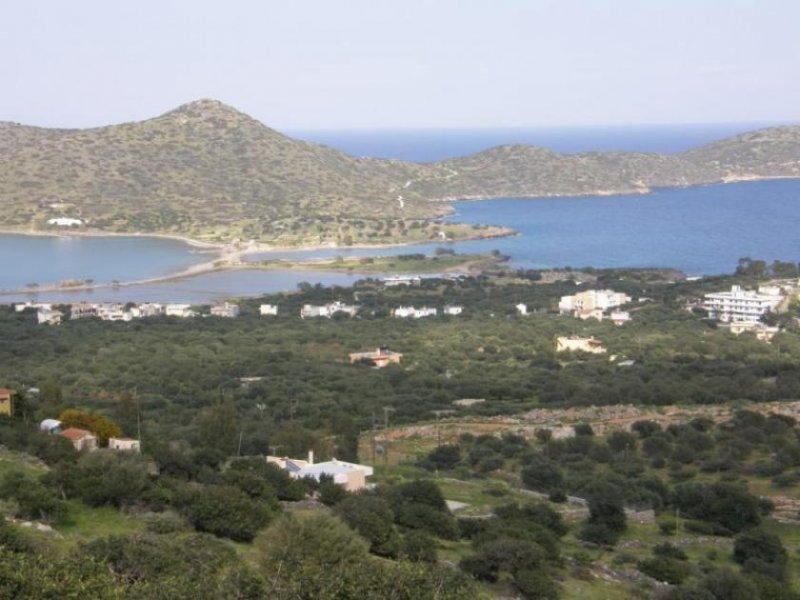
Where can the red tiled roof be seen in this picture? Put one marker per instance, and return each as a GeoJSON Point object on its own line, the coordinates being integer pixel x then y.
{"type": "Point", "coordinates": [74, 434]}
{"type": "Point", "coordinates": [7, 392]}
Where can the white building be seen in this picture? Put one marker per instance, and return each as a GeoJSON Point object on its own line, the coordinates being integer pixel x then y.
{"type": "Point", "coordinates": [406, 312]}
{"type": "Point", "coordinates": [179, 310]}
{"type": "Point", "coordinates": [328, 310]}
{"type": "Point", "coordinates": [19, 307]}
{"type": "Point", "coordinates": [49, 317]}
{"type": "Point", "coordinates": [111, 311]}
{"type": "Point", "coordinates": [270, 310]}
{"type": "Point", "coordinates": [591, 300]}
{"type": "Point", "coordinates": [453, 310]}
{"type": "Point", "coordinates": [124, 444]}
{"type": "Point", "coordinates": [226, 309]}
{"type": "Point", "coordinates": [741, 305]}
{"type": "Point", "coordinates": [522, 309]}
{"type": "Point", "coordinates": [406, 280]}
{"type": "Point", "coordinates": [620, 317]}
{"type": "Point", "coordinates": [64, 222]}
{"type": "Point", "coordinates": [147, 309]}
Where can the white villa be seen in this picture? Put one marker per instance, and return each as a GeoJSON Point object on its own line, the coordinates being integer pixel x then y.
{"type": "Point", "coordinates": [620, 317]}
{"type": "Point", "coordinates": [405, 312]}
{"type": "Point", "coordinates": [46, 316]}
{"type": "Point", "coordinates": [179, 310]}
{"type": "Point", "coordinates": [226, 309]}
{"type": "Point", "coordinates": [270, 310]}
{"type": "Point", "coordinates": [351, 476]}
{"type": "Point", "coordinates": [406, 280]}
{"type": "Point", "coordinates": [328, 310]}
{"type": "Point", "coordinates": [742, 305]}
{"type": "Point", "coordinates": [522, 309]}
{"type": "Point", "coordinates": [124, 444]}
{"type": "Point", "coordinates": [453, 310]}
{"type": "Point", "coordinates": [590, 301]}
{"type": "Point", "coordinates": [64, 222]}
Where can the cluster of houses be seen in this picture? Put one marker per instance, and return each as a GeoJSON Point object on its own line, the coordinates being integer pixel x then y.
{"type": "Point", "coordinates": [351, 476]}
{"type": "Point", "coordinates": [116, 311]}
{"type": "Point", "coordinates": [596, 304]}
{"type": "Point", "coordinates": [85, 441]}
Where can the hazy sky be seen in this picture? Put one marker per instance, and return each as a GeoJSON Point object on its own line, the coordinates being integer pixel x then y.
{"type": "Point", "coordinates": [305, 64]}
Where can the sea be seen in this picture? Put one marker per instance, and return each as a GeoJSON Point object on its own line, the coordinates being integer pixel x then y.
{"type": "Point", "coordinates": [700, 230]}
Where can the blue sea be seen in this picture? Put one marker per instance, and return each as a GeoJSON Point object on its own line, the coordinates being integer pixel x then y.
{"type": "Point", "coordinates": [700, 230]}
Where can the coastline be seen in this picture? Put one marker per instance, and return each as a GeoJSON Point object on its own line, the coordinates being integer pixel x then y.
{"type": "Point", "coordinates": [228, 258]}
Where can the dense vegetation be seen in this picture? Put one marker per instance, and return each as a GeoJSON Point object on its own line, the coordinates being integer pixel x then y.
{"type": "Point", "coordinates": [209, 397]}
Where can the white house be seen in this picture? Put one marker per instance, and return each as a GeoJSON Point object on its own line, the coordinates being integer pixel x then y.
{"type": "Point", "coordinates": [741, 305]}
{"type": "Point", "coordinates": [406, 280]}
{"type": "Point", "coordinates": [591, 300]}
{"type": "Point", "coordinates": [20, 306]}
{"type": "Point", "coordinates": [268, 310]}
{"type": "Point", "coordinates": [111, 311]}
{"type": "Point", "coordinates": [453, 310]}
{"type": "Point", "coordinates": [46, 316]}
{"type": "Point", "coordinates": [124, 444]}
{"type": "Point", "coordinates": [522, 309]}
{"type": "Point", "coordinates": [179, 310]}
{"type": "Point", "coordinates": [405, 312]}
{"type": "Point", "coordinates": [147, 309]}
{"type": "Point", "coordinates": [226, 309]}
{"type": "Point", "coordinates": [328, 310]}
{"type": "Point", "coordinates": [620, 317]}
{"type": "Point", "coordinates": [64, 222]}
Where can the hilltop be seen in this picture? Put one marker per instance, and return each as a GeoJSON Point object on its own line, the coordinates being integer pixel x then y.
{"type": "Point", "coordinates": [208, 171]}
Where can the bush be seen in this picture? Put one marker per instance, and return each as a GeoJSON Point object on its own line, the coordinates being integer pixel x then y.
{"type": "Point", "coordinates": [418, 546]}
{"type": "Point", "coordinates": [597, 533]}
{"type": "Point", "coordinates": [665, 569]}
{"type": "Point", "coordinates": [761, 552]}
{"type": "Point", "coordinates": [226, 512]}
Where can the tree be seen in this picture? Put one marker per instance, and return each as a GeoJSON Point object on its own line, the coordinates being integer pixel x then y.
{"type": "Point", "coordinates": [372, 517]}
{"type": "Point", "coordinates": [226, 512]}
{"type": "Point", "coordinates": [443, 457]}
{"type": "Point", "coordinates": [761, 552]}
{"type": "Point", "coordinates": [98, 424]}
{"type": "Point", "coordinates": [218, 428]}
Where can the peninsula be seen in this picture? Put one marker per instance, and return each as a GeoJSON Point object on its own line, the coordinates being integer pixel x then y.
{"type": "Point", "coordinates": [208, 172]}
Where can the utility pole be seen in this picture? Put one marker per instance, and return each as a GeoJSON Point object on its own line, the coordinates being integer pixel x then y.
{"type": "Point", "coordinates": [386, 411]}
{"type": "Point", "coordinates": [373, 437]}
{"type": "Point", "coordinates": [239, 450]}
{"type": "Point", "coordinates": [274, 450]}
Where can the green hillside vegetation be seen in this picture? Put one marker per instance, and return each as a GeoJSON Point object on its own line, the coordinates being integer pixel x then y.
{"type": "Point", "coordinates": [725, 490]}
{"type": "Point", "coordinates": [207, 171]}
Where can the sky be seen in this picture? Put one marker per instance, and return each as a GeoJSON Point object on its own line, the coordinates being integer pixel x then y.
{"type": "Point", "coordinates": [379, 64]}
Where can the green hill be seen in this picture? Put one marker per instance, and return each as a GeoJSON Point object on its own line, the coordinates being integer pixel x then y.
{"type": "Point", "coordinates": [211, 172]}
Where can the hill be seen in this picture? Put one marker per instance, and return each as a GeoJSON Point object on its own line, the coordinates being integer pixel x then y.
{"type": "Point", "coordinates": [208, 171]}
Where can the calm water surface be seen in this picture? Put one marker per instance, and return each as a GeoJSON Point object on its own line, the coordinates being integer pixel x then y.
{"type": "Point", "coordinates": [702, 230]}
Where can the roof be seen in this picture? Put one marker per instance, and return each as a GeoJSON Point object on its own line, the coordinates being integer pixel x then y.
{"type": "Point", "coordinates": [334, 467]}
{"type": "Point", "coordinates": [7, 392]}
{"type": "Point", "coordinates": [74, 434]}
{"type": "Point", "coordinates": [50, 424]}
